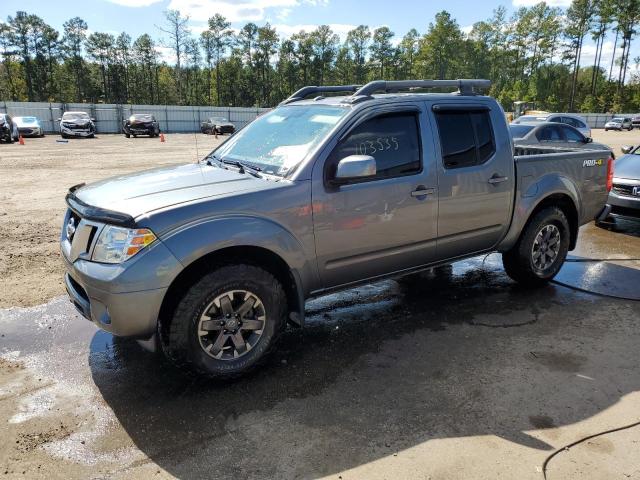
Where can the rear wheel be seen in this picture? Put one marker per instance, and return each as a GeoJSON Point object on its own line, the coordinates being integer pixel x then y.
{"type": "Point", "coordinates": [127, 135]}
{"type": "Point", "coordinates": [227, 323]}
{"type": "Point", "coordinates": [541, 249]}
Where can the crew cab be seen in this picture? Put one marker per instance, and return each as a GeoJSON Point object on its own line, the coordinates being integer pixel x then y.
{"type": "Point", "coordinates": [213, 259]}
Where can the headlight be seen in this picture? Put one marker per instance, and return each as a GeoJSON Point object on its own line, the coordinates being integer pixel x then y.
{"type": "Point", "coordinates": [117, 244]}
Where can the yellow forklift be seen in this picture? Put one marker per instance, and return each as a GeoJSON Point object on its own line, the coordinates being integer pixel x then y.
{"type": "Point", "coordinates": [521, 108]}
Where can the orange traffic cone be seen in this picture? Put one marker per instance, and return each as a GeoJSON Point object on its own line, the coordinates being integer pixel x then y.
{"type": "Point", "coordinates": [162, 138]}
{"type": "Point", "coordinates": [21, 140]}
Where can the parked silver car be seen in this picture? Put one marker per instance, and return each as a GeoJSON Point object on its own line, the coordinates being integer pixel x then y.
{"type": "Point", "coordinates": [29, 126]}
{"type": "Point", "coordinates": [619, 123]}
{"type": "Point", "coordinates": [77, 124]}
{"type": "Point", "coordinates": [624, 197]}
{"type": "Point", "coordinates": [552, 135]}
{"type": "Point", "coordinates": [576, 121]}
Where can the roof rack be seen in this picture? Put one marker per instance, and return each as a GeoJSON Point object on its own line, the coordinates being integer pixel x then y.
{"type": "Point", "coordinates": [310, 90]}
{"type": "Point", "coordinates": [465, 87]}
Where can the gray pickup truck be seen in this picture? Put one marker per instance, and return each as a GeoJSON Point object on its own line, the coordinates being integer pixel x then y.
{"type": "Point", "coordinates": [213, 259]}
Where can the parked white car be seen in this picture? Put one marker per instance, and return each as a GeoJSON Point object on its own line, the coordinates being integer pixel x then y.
{"type": "Point", "coordinates": [576, 121]}
{"type": "Point", "coordinates": [619, 123]}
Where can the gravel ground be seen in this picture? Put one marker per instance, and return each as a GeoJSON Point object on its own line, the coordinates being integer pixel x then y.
{"type": "Point", "coordinates": [36, 177]}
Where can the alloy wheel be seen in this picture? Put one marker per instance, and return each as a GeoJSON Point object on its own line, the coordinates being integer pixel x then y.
{"type": "Point", "coordinates": [231, 324]}
{"type": "Point", "coordinates": [546, 247]}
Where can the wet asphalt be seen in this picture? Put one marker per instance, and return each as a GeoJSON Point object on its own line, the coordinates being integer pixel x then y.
{"type": "Point", "coordinates": [403, 378]}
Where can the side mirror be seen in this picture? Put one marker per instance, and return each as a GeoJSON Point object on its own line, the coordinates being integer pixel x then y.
{"type": "Point", "coordinates": [355, 167]}
{"type": "Point", "coordinates": [93, 119]}
{"type": "Point", "coordinates": [59, 118]}
{"type": "Point", "coordinates": [588, 140]}
{"type": "Point", "coordinates": [626, 149]}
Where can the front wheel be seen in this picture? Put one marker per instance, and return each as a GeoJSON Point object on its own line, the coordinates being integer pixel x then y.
{"type": "Point", "coordinates": [227, 323]}
{"type": "Point", "coordinates": [541, 250]}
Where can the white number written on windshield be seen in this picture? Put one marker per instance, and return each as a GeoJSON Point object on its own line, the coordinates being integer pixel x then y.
{"type": "Point", "coordinates": [380, 144]}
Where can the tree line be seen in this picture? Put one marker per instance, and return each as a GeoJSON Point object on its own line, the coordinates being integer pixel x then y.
{"type": "Point", "coordinates": [534, 55]}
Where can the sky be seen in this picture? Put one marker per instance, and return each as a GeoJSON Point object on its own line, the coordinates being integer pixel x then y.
{"type": "Point", "coordinates": [288, 16]}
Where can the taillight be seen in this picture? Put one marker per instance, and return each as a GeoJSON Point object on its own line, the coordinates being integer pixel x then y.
{"type": "Point", "coordinates": [609, 174]}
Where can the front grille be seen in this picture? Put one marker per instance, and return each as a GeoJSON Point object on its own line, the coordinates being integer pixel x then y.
{"type": "Point", "coordinates": [623, 190]}
{"type": "Point", "coordinates": [72, 126]}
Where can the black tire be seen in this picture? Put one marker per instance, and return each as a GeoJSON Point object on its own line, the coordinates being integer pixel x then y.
{"type": "Point", "coordinates": [519, 261]}
{"type": "Point", "coordinates": [127, 135]}
{"type": "Point", "coordinates": [181, 342]}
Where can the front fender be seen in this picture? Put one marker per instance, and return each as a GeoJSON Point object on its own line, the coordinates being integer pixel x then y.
{"type": "Point", "coordinates": [195, 240]}
{"type": "Point", "coordinates": [529, 196]}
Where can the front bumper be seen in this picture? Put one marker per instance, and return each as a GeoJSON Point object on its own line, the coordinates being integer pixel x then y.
{"type": "Point", "coordinates": [623, 206]}
{"type": "Point", "coordinates": [30, 131]}
{"type": "Point", "coordinates": [123, 299]}
{"type": "Point", "coordinates": [139, 130]}
{"type": "Point", "coordinates": [73, 132]}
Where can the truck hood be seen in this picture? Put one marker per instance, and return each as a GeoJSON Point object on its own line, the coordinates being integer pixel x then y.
{"type": "Point", "coordinates": [144, 192]}
{"type": "Point", "coordinates": [627, 166]}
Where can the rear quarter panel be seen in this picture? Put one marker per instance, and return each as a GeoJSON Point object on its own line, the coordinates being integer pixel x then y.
{"type": "Point", "coordinates": [581, 175]}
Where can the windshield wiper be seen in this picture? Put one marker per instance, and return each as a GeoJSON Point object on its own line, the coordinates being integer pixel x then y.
{"type": "Point", "coordinates": [242, 166]}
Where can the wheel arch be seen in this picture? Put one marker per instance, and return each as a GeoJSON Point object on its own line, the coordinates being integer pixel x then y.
{"type": "Point", "coordinates": [250, 254]}
{"type": "Point", "coordinates": [565, 203]}
{"type": "Point", "coordinates": [561, 199]}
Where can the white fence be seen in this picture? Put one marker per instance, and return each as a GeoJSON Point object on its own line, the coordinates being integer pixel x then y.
{"type": "Point", "coordinates": [172, 118]}
{"type": "Point", "coordinates": [109, 117]}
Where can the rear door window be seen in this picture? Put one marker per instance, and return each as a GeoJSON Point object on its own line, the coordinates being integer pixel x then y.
{"type": "Point", "coordinates": [572, 135]}
{"type": "Point", "coordinates": [550, 133]}
{"type": "Point", "coordinates": [466, 137]}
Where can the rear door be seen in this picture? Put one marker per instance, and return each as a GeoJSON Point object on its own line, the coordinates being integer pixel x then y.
{"type": "Point", "coordinates": [475, 177]}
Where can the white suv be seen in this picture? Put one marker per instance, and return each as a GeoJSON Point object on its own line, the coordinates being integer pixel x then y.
{"type": "Point", "coordinates": [619, 123]}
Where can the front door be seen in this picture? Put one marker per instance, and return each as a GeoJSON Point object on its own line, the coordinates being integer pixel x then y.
{"type": "Point", "coordinates": [475, 178]}
{"type": "Point", "coordinates": [388, 222]}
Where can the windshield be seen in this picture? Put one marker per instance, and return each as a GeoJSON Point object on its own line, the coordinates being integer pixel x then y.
{"type": "Point", "coordinates": [140, 118]}
{"type": "Point", "coordinates": [529, 118]}
{"type": "Point", "coordinates": [218, 119]}
{"type": "Point", "coordinates": [616, 120]}
{"type": "Point", "coordinates": [26, 119]}
{"type": "Point", "coordinates": [279, 140]}
{"type": "Point", "coordinates": [75, 116]}
{"type": "Point", "coordinates": [519, 131]}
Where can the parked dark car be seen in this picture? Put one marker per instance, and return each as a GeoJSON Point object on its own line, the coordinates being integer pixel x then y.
{"type": "Point", "coordinates": [624, 197]}
{"type": "Point", "coordinates": [141, 124]}
{"type": "Point", "coordinates": [29, 126]}
{"type": "Point", "coordinates": [218, 126]}
{"type": "Point", "coordinates": [635, 121]}
{"type": "Point", "coordinates": [77, 124]}
{"type": "Point", "coordinates": [8, 129]}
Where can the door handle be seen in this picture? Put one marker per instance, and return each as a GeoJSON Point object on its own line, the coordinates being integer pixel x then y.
{"type": "Point", "coordinates": [496, 179]}
{"type": "Point", "coordinates": [423, 192]}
